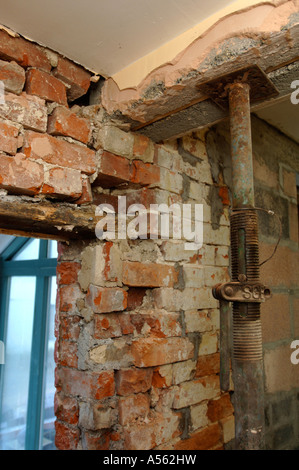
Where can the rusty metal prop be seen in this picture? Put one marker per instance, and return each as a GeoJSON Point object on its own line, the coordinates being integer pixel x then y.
{"type": "Point", "coordinates": [244, 291]}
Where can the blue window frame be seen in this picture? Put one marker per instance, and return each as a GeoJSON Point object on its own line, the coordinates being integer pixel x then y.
{"type": "Point", "coordinates": [28, 292]}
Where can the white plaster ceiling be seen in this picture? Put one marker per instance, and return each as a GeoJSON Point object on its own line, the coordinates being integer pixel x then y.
{"type": "Point", "coordinates": [105, 35]}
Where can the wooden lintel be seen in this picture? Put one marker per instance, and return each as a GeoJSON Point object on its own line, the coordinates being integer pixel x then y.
{"type": "Point", "coordinates": [44, 219]}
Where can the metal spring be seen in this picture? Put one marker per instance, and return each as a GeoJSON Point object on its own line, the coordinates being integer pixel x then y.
{"type": "Point", "coordinates": [247, 331]}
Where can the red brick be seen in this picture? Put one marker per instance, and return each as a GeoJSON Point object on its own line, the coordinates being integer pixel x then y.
{"type": "Point", "coordinates": [62, 183]}
{"type": "Point", "coordinates": [105, 300]}
{"type": "Point", "coordinates": [66, 438]}
{"type": "Point", "coordinates": [65, 122]}
{"type": "Point", "coordinates": [152, 432]}
{"type": "Point", "coordinates": [143, 147]}
{"type": "Point", "coordinates": [13, 77]}
{"type": "Point", "coordinates": [67, 272]}
{"type": "Point", "coordinates": [144, 173]}
{"type": "Point", "coordinates": [113, 170]}
{"type": "Point", "coordinates": [208, 365]}
{"type": "Point", "coordinates": [45, 86]}
{"type": "Point", "coordinates": [157, 323]}
{"type": "Point", "coordinates": [67, 297]}
{"type": "Point", "coordinates": [202, 440]}
{"type": "Point", "coordinates": [149, 352]}
{"type": "Point", "coordinates": [148, 274]}
{"type": "Point", "coordinates": [77, 77]}
{"type": "Point", "coordinates": [130, 381]}
{"type": "Point", "coordinates": [107, 326]}
{"type": "Point", "coordinates": [66, 409]}
{"type": "Point", "coordinates": [69, 328]}
{"type": "Point", "coordinates": [96, 441]}
{"type": "Point", "coordinates": [135, 297]}
{"type": "Point", "coordinates": [59, 152]}
{"type": "Point", "coordinates": [8, 138]}
{"type": "Point", "coordinates": [220, 408]}
{"type": "Point", "coordinates": [133, 407]}
{"type": "Point", "coordinates": [30, 111]}
{"type": "Point", "coordinates": [68, 354]}
{"type": "Point", "coordinates": [25, 53]}
{"type": "Point", "coordinates": [18, 175]}
{"type": "Point", "coordinates": [86, 384]}
{"type": "Point", "coordinates": [86, 196]}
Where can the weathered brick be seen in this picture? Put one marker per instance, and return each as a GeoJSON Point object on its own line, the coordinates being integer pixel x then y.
{"type": "Point", "coordinates": [183, 371]}
{"type": "Point", "coordinates": [86, 384]}
{"type": "Point", "coordinates": [30, 111]}
{"type": "Point", "coordinates": [219, 408]}
{"type": "Point", "coordinates": [65, 122]}
{"type": "Point", "coordinates": [113, 170]}
{"type": "Point", "coordinates": [67, 272]}
{"type": "Point", "coordinates": [107, 326]}
{"type": "Point", "coordinates": [68, 354]}
{"type": "Point", "coordinates": [208, 365]}
{"type": "Point", "coordinates": [45, 86]}
{"type": "Point", "coordinates": [190, 298]}
{"type": "Point", "coordinates": [193, 276]}
{"type": "Point", "coordinates": [12, 76]}
{"type": "Point", "coordinates": [148, 274]}
{"type": "Point", "coordinates": [162, 376]}
{"type": "Point", "coordinates": [204, 439]}
{"type": "Point", "coordinates": [86, 196]}
{"type": "Point", "coordinates": [193, 392]}
{"type": "Point", "coordinates": [66, 438]}
{"type": "Point", "coordinates": [115, 140]}
{"type": "Point", "coordinates": [198, 414]}
{"type": "Point", "coordinates": [143, 148]}
{"type": "Point", "coordinates": [228, 428]}
{"type": "Point", "coordinates": [18, 175]}
{"type": "Point", "coordinates": [101, 265]}
{"type": "Point", "coordinates": [62, 183]}
{"type": "Point", "coordinates": [197, 320]}
{"type": "Point", "coordinates": [130, 381]}
{"type": "Point", "coordinates": [59, 152]}
{"type": "Point", "coordinates": [208, 344]}
{"type": "Point", "coordinates": [148, 435]}
{"type": "Point", "coordinates": [133, 407]}
{"type": "Point", "coordinates": [144, 173]}
{"type": "Point", "coordinates": [25, 53]}
{"type": "Point", "coordinates": [66, 409]}
{"type": "Point", "coordinates": [75, 76]}
{"type": "Point", "coordinates": [157, 323]}
{"type": "Point", "coordinates": [95, 416]}
{"type": "Point", "coordinates": [148, 352]}
{"type": "Point", "coordinates": [8, 138]}
{"type": "Point", "coordinates": [67, 298]}
{"type": "Point", "coordinates": [69, 328]}
{"type": "Point", "coordinates": [96, 440]}
{"type": "Point", "coordinates": [105, 300]}
{"type": "Point", "coordinates": [114, 353]}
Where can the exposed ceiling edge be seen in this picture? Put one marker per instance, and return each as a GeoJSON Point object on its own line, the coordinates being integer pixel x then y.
{"type": "Point", "coordinates": [132, 75]}
{"type": "Point", "coordinates": [230, 39]}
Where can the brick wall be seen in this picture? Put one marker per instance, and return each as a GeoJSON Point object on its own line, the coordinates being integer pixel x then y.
{"type": "Point", "coordinates": [137, 327]}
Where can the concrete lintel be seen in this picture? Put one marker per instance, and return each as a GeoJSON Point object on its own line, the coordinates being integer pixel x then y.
{"type": "Point", "coordinates": [174, 87]}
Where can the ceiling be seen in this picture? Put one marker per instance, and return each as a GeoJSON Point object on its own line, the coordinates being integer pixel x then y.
{"type": "Point", "coordinates": [105, 36]}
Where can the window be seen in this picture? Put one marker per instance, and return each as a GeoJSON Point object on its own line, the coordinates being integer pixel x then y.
{"type": "Point", "coordinates": [28, 292]}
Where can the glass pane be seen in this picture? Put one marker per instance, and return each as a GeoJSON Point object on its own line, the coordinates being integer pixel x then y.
{"type": "Point", "coordinates": [48, 432]}
{"type": "Point", "coordinates": [29, 251]}
{"type": "Point", "coordinates": [52, 249]}
{"type": "Point", "coordinates": [17, 363]}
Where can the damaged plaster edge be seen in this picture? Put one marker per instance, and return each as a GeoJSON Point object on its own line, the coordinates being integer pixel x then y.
{"type": "Point", "coordinates": [255, 22]}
